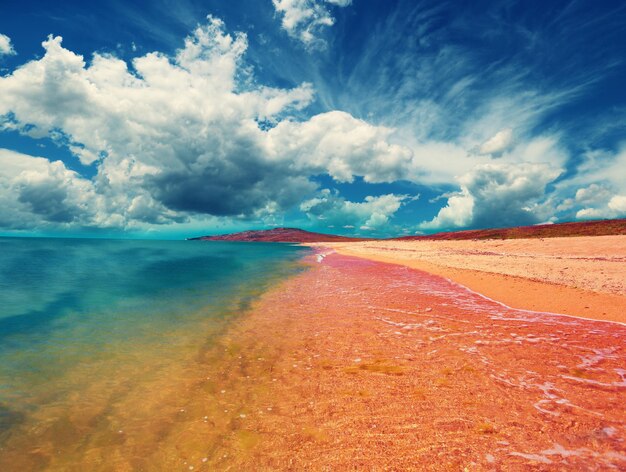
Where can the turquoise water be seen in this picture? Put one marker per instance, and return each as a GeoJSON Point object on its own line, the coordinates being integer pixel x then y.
{"type": "Point", "coordinates": [83, 321]}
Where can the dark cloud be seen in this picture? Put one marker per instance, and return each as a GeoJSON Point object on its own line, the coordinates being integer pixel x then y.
{"type": "Point", "coordinates": [50, 201]}
{"type": "Point", "coordinates": [240, 193]}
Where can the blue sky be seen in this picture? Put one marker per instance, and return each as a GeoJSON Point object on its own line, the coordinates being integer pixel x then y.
{"type": "Point", "coordinates": [174, 119]}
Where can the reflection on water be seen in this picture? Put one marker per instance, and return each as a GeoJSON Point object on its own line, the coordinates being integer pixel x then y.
{"type": "Point", "coordinates": [99, 338]}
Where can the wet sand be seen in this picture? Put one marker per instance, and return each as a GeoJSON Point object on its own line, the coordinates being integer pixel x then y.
{"type": "Point", "coordinates": [362, 365]}
{"type": "Point", "coordinates": [578, 276]}
{"type": "Point", "coordinates": [358, 365]}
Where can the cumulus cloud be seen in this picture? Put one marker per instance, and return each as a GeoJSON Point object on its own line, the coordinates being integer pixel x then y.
{"type": "Point", "coordinates": [507, 194]}
{"type": "Point", "coordinates": [458, 213]}
{"type": "Point", "coordinates": [618, 204]}
{"type": "Point", "coordinates": [35, 192]}
{"type": "Point", "coordinates": [342, 146]}
{"type": "Point", "coordinates": [599, 186]}
{"type": "Point", "coordinates": [592, 195]}
{"type": "Point", "coordinates": [372, 213]}
{"type": "Point", "coordinates": [304, 19]}
{"type": "Point", "coordinates": [498, 143]}
{"type": "Point", "coordinates": [179, 136]}
{"type": "Point", "coordinates": [6, 48]}
{"type": "Point", "coordinates": [599, 203]}
{"type": "Point", "coordinates": [440, 162]}
{"type": "Point", "coordinates": [193, 135]}
{"type": "Point", "coordinates": [590, 214]}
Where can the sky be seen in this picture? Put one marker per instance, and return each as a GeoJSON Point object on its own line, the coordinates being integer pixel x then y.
{"type": "Point", "coordinates": [173, 119]}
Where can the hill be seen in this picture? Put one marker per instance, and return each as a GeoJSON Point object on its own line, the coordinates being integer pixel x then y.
{"type": "Point", "coordinates": [559, 230]}
{"type": "Point", "coordinates": [278, 235]}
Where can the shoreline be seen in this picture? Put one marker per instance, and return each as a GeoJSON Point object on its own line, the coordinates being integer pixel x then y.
{"type": "Point", "coordinates": [538, 293]}
{"type": "Point", "coordinates": [362, 364]}
{"type": "Point", "coordinates": [355, 364]}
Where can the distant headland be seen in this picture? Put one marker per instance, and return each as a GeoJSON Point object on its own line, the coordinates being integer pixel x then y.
{"type": "Point", "coordinates": [558, 230]}
{"type": "Point", "coordinates": [279, 235]}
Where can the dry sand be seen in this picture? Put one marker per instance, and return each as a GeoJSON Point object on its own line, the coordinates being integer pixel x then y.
{"type": "Point", "coordinates": [578, 276]}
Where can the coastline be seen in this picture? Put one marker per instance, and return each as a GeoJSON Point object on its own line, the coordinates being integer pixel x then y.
{"type": "Point", "coordinates": [356, 364]}
{"type": "Point", "coordinates": [580, 276]}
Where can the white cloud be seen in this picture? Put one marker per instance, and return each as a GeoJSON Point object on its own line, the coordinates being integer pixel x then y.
{"type": "Point", "coordinates": [590, 214]}
{"type": "Point", "coordinates": [304, 19]}
{"type": "Point", "coordinates": [497, 194]}
{"type": "Point", "coordinates": [592, 195]}
{"type": "Point", "coordinates": [372, 213]}
{"type": "Point", "coordinates": [339, 144]}
{"type": "Point", "coordinates": [604, 205]}
{"type": "Point", "coordinates": [598, 186]}
{"type": "Point", "coordinates": [604, 167]}
{"type": "Point", "coordinates": [35, 192]}
{"type": "Point", "coordinates": [618, 204]}
{"type": "Point", "coordinates": [507, 192]}
{"type": "Point", "coordinates": [6, 48]}
{"type": "Point", "coordinates": [457, 213]}
{"type": "Point", "coordinates": [498, 143]}
{"type": "Point", "coordinates": [179, 136]}
{"type": "Point", "coordinates": [438, 162]}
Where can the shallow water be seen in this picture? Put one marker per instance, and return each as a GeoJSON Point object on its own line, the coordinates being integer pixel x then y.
{"type": "Point", "coordinates": [101, 336]}
{"type": "Point", "coordinates": [353, 365]}
{"type": "Point", "coordinates": [555, 385]}
{"type": "Point", "coordinates": [380, 367]}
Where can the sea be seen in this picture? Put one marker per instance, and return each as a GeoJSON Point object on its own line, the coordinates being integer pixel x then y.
{"type": "Point", "coordinates": [90, 325]}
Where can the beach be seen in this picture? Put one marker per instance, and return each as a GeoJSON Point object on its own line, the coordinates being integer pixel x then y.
{"type": "Point", "coordinates": [362, 365]}
{"type": "Point", "coordinates": [312, 236]}
{"type": "Point", "coordinates": [359, 364]}
{"type": "Point", "coordinates": [578, 276]}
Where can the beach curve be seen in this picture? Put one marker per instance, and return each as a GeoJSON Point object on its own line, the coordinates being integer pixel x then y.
{"type": "Point", "coordinates": [357, 364]}
{"type": "Point", "coordinates": [575, 276]}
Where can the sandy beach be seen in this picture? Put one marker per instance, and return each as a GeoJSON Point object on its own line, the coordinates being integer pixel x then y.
{"type": "Point", "coordinates": [362, 365]}
{"type": "Point", "coordinates": [577, 276]}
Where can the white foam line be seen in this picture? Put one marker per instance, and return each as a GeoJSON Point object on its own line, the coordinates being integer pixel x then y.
{"type": "Point", "coordinates": [532, 311]}
{"type": "Point", "coordinates": [533, 457]}
{"type": "Point", "coordinates": [595, 382]}
{"type": "Point", "coordinates": [321, 255]}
